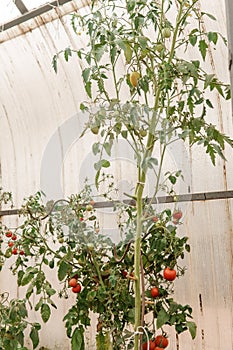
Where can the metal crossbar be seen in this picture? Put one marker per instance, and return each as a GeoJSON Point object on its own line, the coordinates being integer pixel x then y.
{"type": "Point", "coordinates": [189, 197]}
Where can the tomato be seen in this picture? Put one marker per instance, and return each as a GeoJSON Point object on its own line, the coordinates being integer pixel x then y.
{"type": "Point", "coordinates": [161, 341]}
{"type": "Point", "coordinates": [21, 252]}
{"type": "Point", "coordinates": [158, 348]}
{"type": "Point", "coordinates": [15, 251]}
{"type": "Point", "coordinates": [73, 282]}
{"type": "Point", "coordinates": [151, 345]}
{"type": "Point", "coordinates": [8, 234]}
{"type": "Point", "coordinates": [155, 218]}
{"type": "Point", "coordinates": [159, 47]}
{"type": "Point", "coordinates": [133, 78]}
{"type": "Point", "coordinates": [124, 273]}
{"type": "Point", "coordinates": [92, 202]}
{"type": "Point", "coordinates": [143, 133]}
{"type": "Point", "coordinates": [169, 274]}
{"type": "Point", "coordinates": [81, 218]}
{"type": "Point", "coordinates": [177, 215]}
{"type": "Point", "coordinates": [10, 244]}
{"type": "Point", "coordinates": [89, 207]}
{"type": "Point", "coordinates": [14, 237]}
{"type": "Point", "coordinates": [77, 288]}
{"type": "Point", "coordinates": [154, 292]}
{"type": "Point", "coordinates": [95, 130]}
{"type": "Point", "coordinates": [166, 33]}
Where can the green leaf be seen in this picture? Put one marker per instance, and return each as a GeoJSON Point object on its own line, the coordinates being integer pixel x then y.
{"type": "Point", "coordinates": [143, 42]}
{"type": "Point", "coordinates": [162, 318]}
{"type": "Point", "coordinates": [63, 270]}
{"type": "Point", "coordinates": [209, 15]}
{"type": "Point", "coordinates": [213, 36]}
{"type": "Point", "coordinates": [77, 340]}
{"type": "Point", "coordinates": [86, 74]}
{"type": "Point", "coordinates": [98, 51]}
{"type": "Point", "coordinates": [209, 103]}
{"type": "Point", "coordinates": [54, 63]}
{"type": "Point", "coordinates": [124, 134]}
{"type": "Point", "coordinates": [203, 48]}
{"type": "Point", "coordinates": [45, 312]}
{"type": "Point", "coordinates": [103, 163]}
{"type": "Point", "coordinates": [124, 45]}
{"type": "Point", "coordinates": [107, 146]}
{"type": "Point", "coordinates": [172, 179]}
{"type": "Point", "coordinates": [28, 276]}
{"type": "Point", "coordinates": [193, 39]}
{"type": "Point", "coordinates": [67, 53]}
{"type": "Point", "coordinates": [208, 79]}
{"type": "Point", "coordinates": [88, 89]}
{"type": "Point", "coordinates": [96, 148]}
{"type": "Point", "coordinates": [192, 329]}
{"type": "Point", "coordinates": [34, 336]}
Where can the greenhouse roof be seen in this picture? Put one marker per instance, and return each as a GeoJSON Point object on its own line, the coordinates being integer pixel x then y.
{"type": "Point", "coordinates": [13, 12]}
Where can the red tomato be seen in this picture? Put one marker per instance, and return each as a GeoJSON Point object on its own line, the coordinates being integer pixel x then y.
{"type": "Point", "coordinates": [124, 273]}
{"type": "Point", "coordinates": [154, 292]}
{"type": "Point", "coordinates": [169, 274]}
{"type": "Point", "coordinates": [73, 282]}
{"type": "Point", "coordinates": [10, 244]}
{"type": "Point", "coordinates": [14, 237]}
{"type": "Point", "coordinates": [76, 289]}
{"type": "Point", "coordinates": [155, 218]}
{"type": "Point", "coordinates": [8, 234]}
{"type": "Point", "coordinates": [161, 341]}
{"type": "Point", "coordinates": [151, 345]}
{"type": "Point", "coordinates": [14, 251]}
{"type": "Point", "coordinates": [177, 215]}
{"type": "Point", "coordinates": [21, 252]}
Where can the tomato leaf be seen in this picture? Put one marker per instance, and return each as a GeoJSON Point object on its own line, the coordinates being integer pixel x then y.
{"type": "Point", "coordinates": [162, 318]}
{"type": "Point", "coordinates": [203, 48]}
{"type": "Point", "coordinates": [192, 328]}
{"type": "Point", "coordinates": [63, 270]}
{"type": "Point", "coordinates": [77, 340]}
{"type": "Point", "coordinates": [45, 312]}
{"type": "Point", "coordinates": [34, 336]}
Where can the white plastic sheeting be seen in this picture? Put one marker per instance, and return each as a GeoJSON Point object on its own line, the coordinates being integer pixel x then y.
{"type": "Point", "coordinates": [40, 124]}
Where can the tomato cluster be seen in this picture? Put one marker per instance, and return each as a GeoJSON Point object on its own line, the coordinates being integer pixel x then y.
{"type": "Point", "coordinates": [12, 238]}
{"type": "Point", "coordinates": [76, 287]}
{"type": "Point", "coordinates": [158, 343]}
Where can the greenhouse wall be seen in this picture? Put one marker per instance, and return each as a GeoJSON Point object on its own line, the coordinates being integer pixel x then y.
{"type": "Point", "coordinates": [41, 149]}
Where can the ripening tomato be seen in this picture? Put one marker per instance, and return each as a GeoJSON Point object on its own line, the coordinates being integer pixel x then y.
{"type": "Point", "coordinates": [177, 215]}
{"type": "Point", "coordinates": [10, 244]}
{"type": "Point", "coordinates": [76, 289]}
{"type": "Point", "coordinates": [134, 76]}
{"type": "Point", "coordinates": [155, 218]}
{"type": "Point", "coordinates": [169, 274]}
{"type": "Point", "coordinates": [73, 282]}
{"type": "Point", "coordinates": [161, 341]}
{"type": "Point", "coordinates": [154, 292]}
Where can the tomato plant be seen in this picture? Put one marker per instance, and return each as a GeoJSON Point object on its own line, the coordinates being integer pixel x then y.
{"type": "Point", "coordinates": [157, 98]}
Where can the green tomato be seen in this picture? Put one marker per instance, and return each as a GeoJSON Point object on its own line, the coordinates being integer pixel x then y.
{"type": "Point", "coordinates": [95, 130]}
{"type": "Point", "coordinates": [166, 33]}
